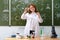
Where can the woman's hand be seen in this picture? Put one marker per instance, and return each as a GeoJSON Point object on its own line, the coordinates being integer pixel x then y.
{"type": "Point", "coordinates": [26, 10]}
{"type": "Point", "coordinates": [38, 14]}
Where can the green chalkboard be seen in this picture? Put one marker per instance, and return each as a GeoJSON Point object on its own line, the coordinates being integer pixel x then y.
{"type": "Point", "coordinates": [4, 14]}
{"type": "Point", "coordinates": [17, 8]}
{"type": "Point", "coordinates": [43, 6]}
{"type": "Point", "coordinates": [57, 12]}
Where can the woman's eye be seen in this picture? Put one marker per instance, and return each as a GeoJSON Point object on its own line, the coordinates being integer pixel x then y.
{"type": "Point", "coordinates": [31, 7]}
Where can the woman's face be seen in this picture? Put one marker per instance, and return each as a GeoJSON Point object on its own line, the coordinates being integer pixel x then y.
{"type": "Point", "coordinates": [31, 8]}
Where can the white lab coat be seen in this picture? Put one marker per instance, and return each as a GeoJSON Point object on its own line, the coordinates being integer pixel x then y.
{"type": "Point", "coordinates": [32, 23]}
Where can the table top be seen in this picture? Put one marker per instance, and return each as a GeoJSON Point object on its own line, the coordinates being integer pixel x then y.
{"type": "Point", "coordinates": [37, 38]}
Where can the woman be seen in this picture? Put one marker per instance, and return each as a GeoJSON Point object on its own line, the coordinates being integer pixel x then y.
{"type": "Point", "coordinates": [33, 18]}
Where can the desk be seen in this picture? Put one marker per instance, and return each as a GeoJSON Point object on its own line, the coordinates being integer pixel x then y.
{"type": "Point", "coordinates": [38, 38]}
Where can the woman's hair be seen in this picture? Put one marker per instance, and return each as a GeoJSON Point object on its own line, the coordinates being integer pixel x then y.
{"type": "Point", "coordinates": [33, 6]}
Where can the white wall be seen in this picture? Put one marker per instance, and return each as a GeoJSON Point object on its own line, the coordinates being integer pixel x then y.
{"type": "Point", "coordinates": [6, 31]}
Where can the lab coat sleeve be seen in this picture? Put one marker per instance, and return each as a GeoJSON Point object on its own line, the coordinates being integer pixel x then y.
{"type": "Point", "coordinates": [24, 16]}
{"type": "Point", "coordinates": [40, 20]}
